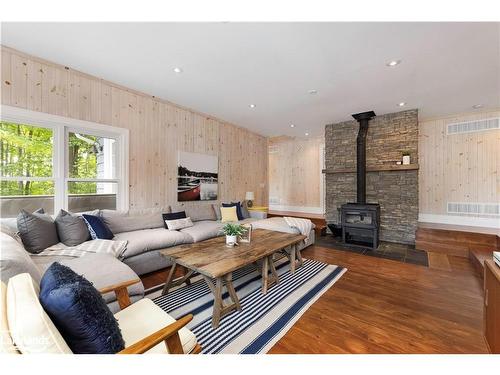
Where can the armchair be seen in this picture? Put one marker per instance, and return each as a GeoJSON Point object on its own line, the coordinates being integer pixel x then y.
{"type": "Point", "coordinates": [146, 318]}
{"type": "Point", "coordinates": [145, 327]}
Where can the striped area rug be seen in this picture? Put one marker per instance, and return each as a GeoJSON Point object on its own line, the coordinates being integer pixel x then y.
{"type": "Point", "coordinates": [264, 319]}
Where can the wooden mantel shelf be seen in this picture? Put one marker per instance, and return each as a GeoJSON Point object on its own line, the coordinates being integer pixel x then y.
{"type": "Point", "coordinates": [382, 168]}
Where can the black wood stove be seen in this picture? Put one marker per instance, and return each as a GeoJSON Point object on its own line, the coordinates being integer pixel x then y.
{"type": "Point", "coordinates": [361, 221]}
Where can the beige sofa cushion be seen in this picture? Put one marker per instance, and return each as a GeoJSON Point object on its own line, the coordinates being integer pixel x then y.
{"type": "Point", "coordinates": [197, 211]}
{"type": "Point", "coordinates": [141, 241]}
{"type": "Point", "coordinates": [6, 344]}
{"type": "Point", "coordinates": [203, 230]}
{"type": "Point", "coordinates": [137, 219]}
{"type": "Point", "coordinates": [14, 259]}
{"type": "Point", "coordinates": [30, 326]}
{"type": "Point", "coordinates": [111, 272]}
{"type": "Point", "coordinates": [101, 270]}
{"type": "Point", "coordinates": [135, 327]}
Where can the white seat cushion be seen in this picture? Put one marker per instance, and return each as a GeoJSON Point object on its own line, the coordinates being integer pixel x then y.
{"type": "Point", "coordinates": [30, 326]}
{"type": "Point", "coordinates": [6, 344]}
{"type": "Point", "coordinates": [144, 318]}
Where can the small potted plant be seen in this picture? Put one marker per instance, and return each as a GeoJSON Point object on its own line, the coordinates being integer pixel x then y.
{"type": "Point", "coordinates": [232, 231]}
{"type": "Point", "coordinates": [406, 157]}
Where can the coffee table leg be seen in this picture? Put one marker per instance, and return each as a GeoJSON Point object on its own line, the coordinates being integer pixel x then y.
{"type": "Point", "coordinates": [187, 275]}
{"type": "Point", "coordinates": [169, 279]}
{"type": "Point", "coordinates": [299, 257]}
{"type": "Point", "coordinates": [273, 270]}
{"type": "Point", "coordinates": [217, 303]}
{"type": "Point", "coordinates": [265, 275]}
{"type": "Point", "coordinates": [268, 265]}
{"type": "Point", "coordinates": [217, 292]}
{"type": "Point", "coordinates": [292, 260]}
{"type": "Point", "coordinates": [219, 308]}
{"type": "Point", "coordinates": [231, 291]}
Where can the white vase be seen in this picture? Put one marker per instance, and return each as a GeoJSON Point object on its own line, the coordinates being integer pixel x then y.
{"type": "Point", "coordinates": [406, 160]}
{"type": "Point", "coordinates": [231, 239]}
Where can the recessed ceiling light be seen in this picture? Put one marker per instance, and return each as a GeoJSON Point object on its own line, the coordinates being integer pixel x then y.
{"type": "Point", "coordinates": [402, 104]}
{"type": "Point", "coordinates": [292, 125]}
{"type": "Point", "coordinates": [306, 134]}
{"type": "Point", "coordinates": [393, 63]}
{"type": "Point", "coordinates": [313, 92]}
{"type": "Point", "coordinates": [252, 105]}
{"type": "Point", "coordinates": [477, 106]}
{"type": "Point", "coordinates": [178, 70]}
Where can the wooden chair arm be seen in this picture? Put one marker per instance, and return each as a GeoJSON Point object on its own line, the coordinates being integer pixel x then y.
{"type": "Point", "coordinates": [121, 292]}
{"type": "Point", "coordinates": [169, 334]}
{"type": "Point", "coordinates": [123, 284]}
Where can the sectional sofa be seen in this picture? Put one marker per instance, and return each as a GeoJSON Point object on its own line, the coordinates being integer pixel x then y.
{"type": "Point", "coordinates": [146, 236]}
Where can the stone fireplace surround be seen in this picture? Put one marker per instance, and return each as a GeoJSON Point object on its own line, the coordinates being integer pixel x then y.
{"type": "Point", "coordinates": [394, 187]}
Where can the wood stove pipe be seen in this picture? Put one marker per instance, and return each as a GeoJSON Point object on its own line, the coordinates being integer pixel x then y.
{"type": "Point", "coordinates": [363, 118]}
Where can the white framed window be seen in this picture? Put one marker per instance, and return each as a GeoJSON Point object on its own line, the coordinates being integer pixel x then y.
{"type": "Point", "coordinates": [57, 163]}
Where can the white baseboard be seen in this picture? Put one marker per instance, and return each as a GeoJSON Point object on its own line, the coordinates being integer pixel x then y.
{"type": "Point", "coordinates": [493, 222]}
{"type": "Point", "coordinates": [301, 209]}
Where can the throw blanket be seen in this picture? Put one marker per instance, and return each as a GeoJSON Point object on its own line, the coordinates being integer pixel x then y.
{"type": "Point", "coordinates": [303, 225]}
{"type": "Point", "coordinates": [115, 248]}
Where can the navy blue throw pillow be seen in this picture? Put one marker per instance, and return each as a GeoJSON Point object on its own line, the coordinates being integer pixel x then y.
{"type": "Point", "coordinates": [79, 312]}
{"type": "Point", "coordinates": [97, 228]}
{"type": "Point", "coordinates": [173, 216]}
{"type": "Point", "coordinates": [239, 213]}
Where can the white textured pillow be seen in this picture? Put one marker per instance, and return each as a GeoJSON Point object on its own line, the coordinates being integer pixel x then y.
{"type": "Point", "coordinates": [30, 327]}
{"type": "Point", "coordinates": [179, 223]}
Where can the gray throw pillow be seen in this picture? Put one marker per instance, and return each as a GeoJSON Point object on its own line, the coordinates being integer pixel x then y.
{"type": "Point", "coordinates": [71, 229]}
{"type": "Point", "coordinates": [37, 230]}
{"type": "Point", "coordinates": [244, 210]}
{"type": "Point", "coordinates": [216, 208]}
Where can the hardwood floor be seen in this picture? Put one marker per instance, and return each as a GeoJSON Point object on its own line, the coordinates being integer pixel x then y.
{"type": "Point", "coordinates": [385, 306]}
{"type": "Point", "coordinates": [439, 261]}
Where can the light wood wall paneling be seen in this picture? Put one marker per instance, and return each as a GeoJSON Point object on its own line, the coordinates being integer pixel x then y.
{"type": "Point", "coordinates": [6, 77]}
{"type": "Point", "coordinates": [158, 129]}
{"type": "Point", "coordinates": [295, 171]}
{"type": "Point", "coordinates": [19, 75]}
{"type": "Point", "coordinates": [460, 167]}
{"type": "Point", "coordinates": [34, 86]}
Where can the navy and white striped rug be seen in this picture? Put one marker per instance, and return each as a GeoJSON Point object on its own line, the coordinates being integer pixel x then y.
{"type": "Point", "coordinates": [264, 319]}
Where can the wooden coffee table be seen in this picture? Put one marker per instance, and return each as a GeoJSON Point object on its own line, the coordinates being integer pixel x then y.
{"type": "Point", "coordinates": [216, 262]}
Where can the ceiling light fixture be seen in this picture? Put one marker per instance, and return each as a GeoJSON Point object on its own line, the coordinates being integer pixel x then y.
{"type": "Point", "coordinates": [393, 63]}
{"type": "Point", "coordinates": [477, 106]}
{"type": "Point", "coordinates": [313, 92]}
{"type": "Point", "coordinates": [306, 134]}
{"type": "Point", "coordinates": [252, 105]}
{"type": "Point", "coordinates": [292, 125]}
{"type": "Point", "coordinates": [178, 70]}
{"type": "Point", "coordinates": [402, 104]}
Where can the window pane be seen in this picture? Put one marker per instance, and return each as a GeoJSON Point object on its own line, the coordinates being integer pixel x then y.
{"type": "Point", "coordinates": [26, 151]}
{"type": "Point", "coordinates": [87, 196]}
{"type": "Point", "coordinates": [91, 156]}
{"type": "Point", "coordinates": [28, 195]}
